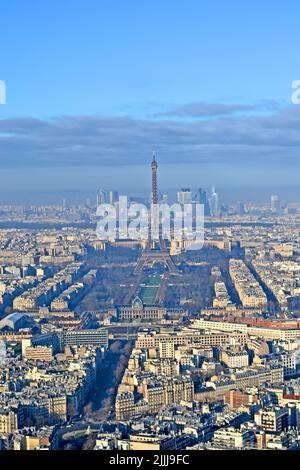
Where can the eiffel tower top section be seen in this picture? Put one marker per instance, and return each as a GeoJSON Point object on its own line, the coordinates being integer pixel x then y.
{"type": "Point", "coordinates": [154, 167]}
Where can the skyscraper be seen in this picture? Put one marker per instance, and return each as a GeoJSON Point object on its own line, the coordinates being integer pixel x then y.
{"type": "Point", "coordinates": [102, 197]}
{"type": "Point", "coordinates": [214, 203]}
{"type": "Point", "coordinates": [241, 208]}
{"type": "Point", "coordinates": [203, 199]}
{"type": "Point", "coordinates": [275, 203]}
{"type": "Point", "coordinates": [113, 196]}
{"type": "Point", "coordinates": [184, 196]}
{"type": "Point", "coordinates": [107, 197]}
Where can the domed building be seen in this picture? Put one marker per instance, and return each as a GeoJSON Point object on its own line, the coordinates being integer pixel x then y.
{"type": "Point", "coordinates": [138, 311]}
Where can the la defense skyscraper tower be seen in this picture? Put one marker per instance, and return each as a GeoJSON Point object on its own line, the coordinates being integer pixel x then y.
{"type": "Point", "coordinates": [156, 251]}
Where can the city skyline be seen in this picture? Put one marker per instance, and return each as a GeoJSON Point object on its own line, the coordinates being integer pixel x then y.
{"type": "Point", "coordinates": [149, 230]}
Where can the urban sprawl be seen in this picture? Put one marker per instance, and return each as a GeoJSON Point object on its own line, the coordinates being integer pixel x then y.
{"type": "Point", "coordinates": [126, 345]}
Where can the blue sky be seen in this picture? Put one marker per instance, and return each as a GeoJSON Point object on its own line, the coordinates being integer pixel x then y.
{"type": "Point", "coordinates": [121, 57]}
{"type": "Point", "coordinates": [98, 84]}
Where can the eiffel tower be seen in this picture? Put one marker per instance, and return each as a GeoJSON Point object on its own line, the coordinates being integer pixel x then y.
{"type": "Point", "coordinates": [156, 250]}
